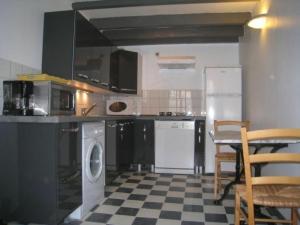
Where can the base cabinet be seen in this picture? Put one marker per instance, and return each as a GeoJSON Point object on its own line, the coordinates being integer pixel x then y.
{"type": "Point", "coordinates": [47, 185]}
{"type": "Point", "coordinates": [200, 145]}
{"type": "Point", "coordinates": [144, 142]}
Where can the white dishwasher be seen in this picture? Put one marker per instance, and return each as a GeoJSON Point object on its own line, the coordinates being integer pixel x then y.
{"type": "Point", "coordinates": [174, 147]}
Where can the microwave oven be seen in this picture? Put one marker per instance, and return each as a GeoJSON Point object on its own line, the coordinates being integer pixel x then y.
{"type": "Point", "coordinates": [53, 99]}
{"type": "Point", "coordinates": [121, 107]}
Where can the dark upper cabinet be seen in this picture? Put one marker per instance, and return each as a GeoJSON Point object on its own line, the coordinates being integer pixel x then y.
{"type": "Point", "coordinates": [123, 71]}
{"type": "Point", "coordinates": [74, 49]}
{"type": "Point", "coordinates": [200, 144]}
{"type": "Point", "coordinates": [144, 142]}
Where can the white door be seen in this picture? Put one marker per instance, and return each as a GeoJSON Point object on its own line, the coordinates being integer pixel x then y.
{"type": "Point", "coordinates": [219, 108]}
{"type": "Point", "coordinates": [223, 81]}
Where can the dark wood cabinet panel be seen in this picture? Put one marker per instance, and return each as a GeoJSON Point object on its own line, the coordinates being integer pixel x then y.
{"type": "Point", "coordinates": [200, 144]}
{"type": "Point", "coordinates": [144, 142]}
{"type": "Point", "coordinates": [123, 71]}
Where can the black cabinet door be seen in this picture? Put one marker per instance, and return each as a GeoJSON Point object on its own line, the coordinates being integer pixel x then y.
{"type": "Point", "coordinates": [92, 53]}
{"type": "Point", "coordinates": [125, 144]}
{"type": "Point", "coordinates": [200, 144]}
{"type": "Point", "coordinates": [74, 49]}
{"type": "Point", "coordinates": [68, 169]}
{"type": "Point", "coordinates": [144, 142]}
{"type": "Point", "coordinates": [123, 71]}
{"type": "Point", "coordinates": [58, 45]}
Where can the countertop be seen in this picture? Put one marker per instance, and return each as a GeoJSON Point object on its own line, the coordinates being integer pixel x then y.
{"type": "Point", "coordinates": [68, 119]}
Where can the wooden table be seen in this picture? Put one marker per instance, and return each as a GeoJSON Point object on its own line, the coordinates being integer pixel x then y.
{"type": "Point", "coordinates": [233, 139]}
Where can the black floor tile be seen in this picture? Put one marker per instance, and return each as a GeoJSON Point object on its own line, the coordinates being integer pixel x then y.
{"type": "Point", "coordinates": [207, 190]}
{"type": "Point", "coordinates": [152, 205]}
{"type": "Point", "coordinates": [174, 200]}
{"type": "Point", "coordinates": [144, 221]}
{"type": "Point", "coordinates": [191, 223]}
{"type": "Point", "coordinates": [193, 208]}
{"type": "Point", "coordinates": [133, 181]}
{"type": "Point", "coordinates": [159, 193]}
{"type": "Point", "coordinates": [150, 178]}
{"type": "Point", "coordinates": [124, 190]}
{"type": "Point", "coordinates": [193, 184]}
{"type": "Point", "coordinates": [217, 218]}
{"type": "Point", "coordinates": [193, 195]}
{"type": "Point", "coordinates": [163, 183]}
{"type": "Point", "coordinates": [171, 215]}
{"type": "Point", "coordinates": [99, 217]}
{"type": "Point", "coordinates": [145, 186]}
{"type": "Point", "coordinates": [137, 197]}
{"type": "Point", "coordinates": [179, 189]}
{"type": "Point", "coordinates": [113, 202]}
{"type": "Point", "coordinates": [178, 180]}
{"type": "Point", "coordinates": [127, 211]}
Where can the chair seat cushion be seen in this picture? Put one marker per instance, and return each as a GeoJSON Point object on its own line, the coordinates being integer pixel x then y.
{"type": "Point", "coordinates": [273, 195]}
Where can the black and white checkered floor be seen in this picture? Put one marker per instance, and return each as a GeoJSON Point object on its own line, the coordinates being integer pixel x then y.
{"type": "Point", "coordinates": [161, 199]}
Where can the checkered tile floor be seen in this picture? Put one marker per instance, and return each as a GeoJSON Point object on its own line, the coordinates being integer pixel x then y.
{"type": "Point", "coordinates": [161, 199]}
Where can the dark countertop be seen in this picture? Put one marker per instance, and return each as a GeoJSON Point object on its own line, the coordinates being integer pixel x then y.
{"type": "Point", "coordinates": [68, 119]}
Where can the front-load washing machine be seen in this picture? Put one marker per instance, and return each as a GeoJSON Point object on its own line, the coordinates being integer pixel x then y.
{"type": "Point", "coordinates": [93, 168]}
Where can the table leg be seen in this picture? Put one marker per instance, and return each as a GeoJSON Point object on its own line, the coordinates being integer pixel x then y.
{"type": "Point", "coordinates": [237, 175]}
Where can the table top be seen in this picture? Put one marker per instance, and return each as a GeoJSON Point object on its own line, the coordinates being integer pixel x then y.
{"type": "Point", "coordinates": [234, 137]}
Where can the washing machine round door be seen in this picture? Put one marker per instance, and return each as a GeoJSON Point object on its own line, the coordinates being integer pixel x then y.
{"type": "Point", "coordinates": [94, 162]}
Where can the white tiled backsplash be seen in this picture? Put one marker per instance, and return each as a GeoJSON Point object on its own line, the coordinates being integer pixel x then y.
{"type": "Point", "coordinates": [9, 71]}
{"type": "Point", "coordinates": [154, 101]}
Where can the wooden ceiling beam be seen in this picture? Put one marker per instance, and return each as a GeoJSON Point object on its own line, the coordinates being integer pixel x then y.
{"type": "Point", "coordinates": [105, 4]}
{"type": "Point", "coordinates": [187, 40]}
{"type": "Point", "coordinates": [192, 32]}
{"type": "Point", "coordinates": [184, 20]}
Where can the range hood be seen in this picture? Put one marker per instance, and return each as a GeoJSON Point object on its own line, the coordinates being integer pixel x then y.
{"type": "Point", "coordinates": [176, 62]}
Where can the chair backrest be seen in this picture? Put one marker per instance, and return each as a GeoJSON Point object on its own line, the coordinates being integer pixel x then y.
{"type": "Point", "coordinates": [286, 157]}
{"type": "Point", "coordinates": [229, 123]}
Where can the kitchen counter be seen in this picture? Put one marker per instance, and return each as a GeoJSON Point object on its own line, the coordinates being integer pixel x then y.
{"type": "Point", "coordinates": [68, 119]}
{"type": "Point", "coordinates": [157, 117]}
{"type": "Point", "coordinates": [59, 119]}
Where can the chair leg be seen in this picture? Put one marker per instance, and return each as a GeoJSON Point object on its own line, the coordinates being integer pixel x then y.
{"type": "Point", "coordinates": [237, 216]}
{"type": "Point", "coordinates": [216, 179]}
{"type": "Point", "coordinates": [294, 216]}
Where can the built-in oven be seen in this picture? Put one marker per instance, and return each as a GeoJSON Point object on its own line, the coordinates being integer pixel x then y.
{"type": "Point", "coordinates": [53, 99]}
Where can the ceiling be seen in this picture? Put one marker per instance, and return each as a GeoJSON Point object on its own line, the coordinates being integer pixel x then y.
{"type": "Point", "coordinates": [142, 22]}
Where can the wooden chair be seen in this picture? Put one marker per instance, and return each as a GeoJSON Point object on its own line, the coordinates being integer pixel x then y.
{"type": "Point", "coordinates": [224, 156]}
{"type": "Point", "coordinates": [270, 191]}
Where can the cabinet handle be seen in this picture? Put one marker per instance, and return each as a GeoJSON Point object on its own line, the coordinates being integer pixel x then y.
{"type": "Point", "coordinates": [121, 136]}
{"type": "Point", "coordinates": [95, 81]}
{"type": "Point", "coordinates": [199, 130]}
{"type": "Point", "coordinates": [199, 139]}
{"type": "Point", "coordinates": [82, 76]}
{"type": "Point", "coordinates": [145, 137]}
{"type": "Point", "coordinates": [70, 130]}
{"type": "Point", "coordinates": [144, 129]}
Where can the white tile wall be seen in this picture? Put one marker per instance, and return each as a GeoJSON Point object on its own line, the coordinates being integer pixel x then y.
{"type": "Point", "coordinates": [155, 101]}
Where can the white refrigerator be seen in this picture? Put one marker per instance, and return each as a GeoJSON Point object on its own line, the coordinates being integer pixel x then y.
{"type": "Point", "coordinates": [223, 88]}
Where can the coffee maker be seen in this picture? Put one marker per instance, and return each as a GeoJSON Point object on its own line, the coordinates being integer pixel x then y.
{"type": "Point", "coordinates": [18, 98]}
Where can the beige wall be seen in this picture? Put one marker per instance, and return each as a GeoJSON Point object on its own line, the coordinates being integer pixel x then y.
{"type": "Point", "coordinates": [271, 69]}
